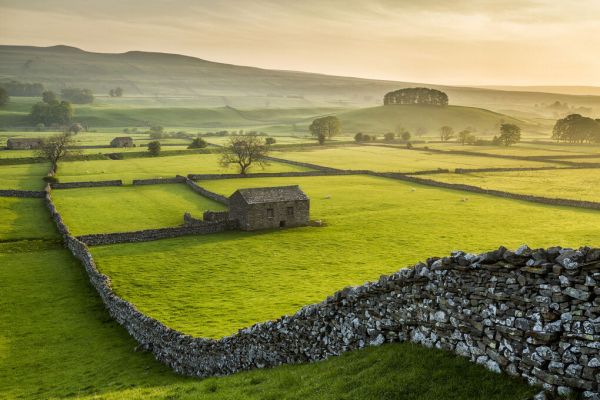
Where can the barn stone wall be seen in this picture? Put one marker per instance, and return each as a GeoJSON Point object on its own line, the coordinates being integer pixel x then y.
{"type": "Point", "coordinates": [530, 313]}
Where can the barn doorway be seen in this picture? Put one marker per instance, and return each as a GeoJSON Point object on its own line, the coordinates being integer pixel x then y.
{"type": "Point", "coordinates": [282, 224]}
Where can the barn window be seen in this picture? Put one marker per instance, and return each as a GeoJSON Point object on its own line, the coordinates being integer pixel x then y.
{"type": "Point", "coordinates": [270, 213]}
{"type": "Point", "coordinates": [290, 211]}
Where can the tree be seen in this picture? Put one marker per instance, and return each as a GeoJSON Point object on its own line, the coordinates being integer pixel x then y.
{"type": "Point", "coordinates": [4, 97]}
{"type": "Point", "coordinates": [463, 136]}
{"type": "Point", "coordinates": [270, 140]}
{"type": "Point", "coordinates": [49, 97]}
{"type": "Point", "coordinates": [325, 127]}
{"type": "Point", "coordinates": [446, 133]}
{"type": "Point", "coordinates": [406, 136]}
{"type": "Point", "coordinates": [156, 132]}
{"type": "Point", "coordinates": [575, 128]}
{"type": "Point", "coordinates": [55, 148]}
{"type": "Point", "coordinates": [245, 151]}
{"type": "Point", "coordinates": [77, 95]}
{"type": "Point", "coordinates": [51, 113]}
{"type": "Point", "coordinates": [358, 137]}
{"type": "Point", "coordinates": [116, 92]}
{"type": "Point", "coordinates": [389, 137]}
{"type": "Point", "coordinates": [154, 148]}
{"type": "Point", "coordinates": [509, 134]}
{"type": "Point", "coordinates": [198, 143]}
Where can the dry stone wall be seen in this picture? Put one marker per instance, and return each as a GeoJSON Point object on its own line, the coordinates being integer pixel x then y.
{"type": "Point", "coordinates": [498, 193]}
{"type": "Point", "coordinates": [75, 185]}
{"type": "Point", "coordinates": [530, 313]}
{"type": "Point", "coordinates": [159, 181]}
{"type": "Point", "coordinates": [146, 235]}
{"type": "Point", "coordinates": [205, 177]}
{"type": "Point", "coordinates": [21, 193]}
{"type": "Point", "coordinates": [207, 193]}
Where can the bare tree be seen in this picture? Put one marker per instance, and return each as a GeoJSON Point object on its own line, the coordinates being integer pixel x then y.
{"type": "Point", "coordinates": [245, 151]}
{"type": "Point", "coordinates": [446, 133]}
{"type": "Point", "coordinates": [54, 149]}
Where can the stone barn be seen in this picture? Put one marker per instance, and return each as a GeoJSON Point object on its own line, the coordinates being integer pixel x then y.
{"type": "Point", "coordinates": [269, 207]}
{"type": "Point", "coordinates": [123, 141]}
{"type": "Point", "coordinates": [23, 143]}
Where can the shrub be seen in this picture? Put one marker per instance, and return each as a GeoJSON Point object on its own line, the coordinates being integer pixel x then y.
{"type": "Point", "coordinates": [50, 179]}
{"type": "Point", "coordinates": [154, 148]}
{"type": "Point", "coordinates": [358, 137]}
{"type": "Point", "coordinates": [269, 141]}
{"type": "Point", "coordinates": [390, 136]}
{"type": "Point", "coordinates": [198, 143]}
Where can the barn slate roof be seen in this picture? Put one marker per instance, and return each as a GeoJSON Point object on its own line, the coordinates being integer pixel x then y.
{"type": "Point", "coordinates": [271, 194]}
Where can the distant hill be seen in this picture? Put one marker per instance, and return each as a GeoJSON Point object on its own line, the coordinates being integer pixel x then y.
{"type": "Point", "coordinates": [427, 119]}
{"type": "Point", "coordinates": [575, 90]}
{"type": "Point", "coordinates": [203, 83]}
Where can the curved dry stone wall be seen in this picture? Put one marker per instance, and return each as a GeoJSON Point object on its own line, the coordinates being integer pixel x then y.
{"type": "Point", "coordinates": [530, 313]}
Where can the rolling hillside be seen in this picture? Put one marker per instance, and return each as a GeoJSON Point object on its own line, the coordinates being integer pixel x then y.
{"type": "Point", "coordinates": [427, 119]}
{"type": "Point", "coordinates": [201, 83]}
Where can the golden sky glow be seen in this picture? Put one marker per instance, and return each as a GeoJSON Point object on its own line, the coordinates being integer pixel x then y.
{"type": "Point", "coordinates": [470, 42]}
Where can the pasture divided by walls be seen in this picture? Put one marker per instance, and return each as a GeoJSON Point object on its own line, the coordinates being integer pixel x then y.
{"type": "Point", "coordinates": [529, 313]}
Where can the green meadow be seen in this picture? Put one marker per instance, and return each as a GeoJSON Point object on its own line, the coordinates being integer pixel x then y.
{"type": "Point", "coordinates": [153, 167]}
{"type": "Point", "coordinates": [373, 226]}
{"type": "Point", "coordinates": [23, 176]}
{"type": "Point", "coordinates": [387, 159]}
{"type": "Point", "coordinates": [23, 219]}
{"type": "Point", "coordinates": [129, 208]}
{"type": "Point", "coordinates": [57, 341]}
{"type": "Point", "coordinates": [576, 184]}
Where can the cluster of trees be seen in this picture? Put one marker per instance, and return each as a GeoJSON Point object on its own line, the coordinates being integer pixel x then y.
{"type": "Point", "coordinates": [466, 137]}
{"type": "Point", "coordinates": [418, 95]}
{"type": "Point", "coordinates": [116, 92]}
{"type": "Point", "coordinates": [77, 95]}
{"type": "Point", "coordinates": [325, 128]}
{"type": "Point", "coordinates": [575, 128]}
{"type": "Point", "coordinates": [19, 89]}
{"type": "Point", "coordinates": [509, 134]}
{"type": "Point", "coordinates": [4, 97]}
{"type": "Point", "coordinates": [363, 137]}
{"type": "Point", "coordinates": [51, 111]}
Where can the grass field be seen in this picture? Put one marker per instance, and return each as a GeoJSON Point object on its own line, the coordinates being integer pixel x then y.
{"type": "Point", "coordinates": [140, 168]}
{"type": "Point", "coordinates": [374, 226]}
{"type": "Point", "coordinates": [23, 176]}
{"type": "Point", "coordinates": [576, 184]}
{"type": "Point", "coordinates": [387, 159]}
{"type": "Point", "coordinates": [24, 219]}
{"type": "Point", "coordinates": [520, 149]}
{"type": "Point", "coordinates": [57, 341]}
{"type": "Point", "coordinates": [129, 208]}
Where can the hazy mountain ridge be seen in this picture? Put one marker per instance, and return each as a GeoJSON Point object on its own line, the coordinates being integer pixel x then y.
{"type": "Point", "coordinates": [160, 74]}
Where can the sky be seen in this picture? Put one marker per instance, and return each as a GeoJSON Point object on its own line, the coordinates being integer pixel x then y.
{"type": "Point", "coordinates": [457, 42]}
